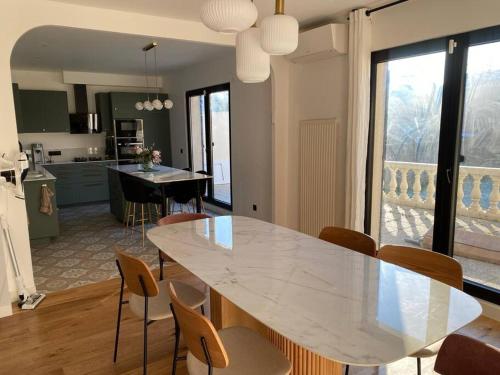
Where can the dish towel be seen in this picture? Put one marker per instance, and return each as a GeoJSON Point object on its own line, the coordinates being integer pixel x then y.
{"type": "Point", "coordinates": [46, 200]}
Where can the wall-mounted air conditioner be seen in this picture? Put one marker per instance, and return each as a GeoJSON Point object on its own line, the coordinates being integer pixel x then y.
{"type": "Point", "coordinates": [321, 43]}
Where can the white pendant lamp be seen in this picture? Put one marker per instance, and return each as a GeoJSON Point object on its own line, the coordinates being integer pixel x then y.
{"type": "Point", "coordinates": [228, 16]}
{"type": "Point", "coordinates": [168, 104]}
{"type": "Point", "coordinates": [253, 64]}
{"type": "Point", "coordinates": [279, 33]}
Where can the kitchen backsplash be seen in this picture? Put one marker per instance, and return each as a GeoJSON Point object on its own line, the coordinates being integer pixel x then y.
{"type": "Point", "coordinates": [70, 145]}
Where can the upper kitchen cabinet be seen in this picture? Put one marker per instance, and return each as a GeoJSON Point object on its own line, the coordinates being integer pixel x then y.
{"type": "Point", "coordinates": [17, 107]}
{"type": "Point", "coordinates": [44, 111]}
{"type": "Point", "coordinates": [123, 105]}
{"type": "Point", "coordinates": [103, 109]}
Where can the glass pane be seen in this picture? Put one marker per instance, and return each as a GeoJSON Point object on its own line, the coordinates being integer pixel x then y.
{"type": "Point", "coordinates": [477, 227]}
{"type": "Point", "coordinates": [221, 168]}
{"type": "Point", "coordinates": [198, 135]}
{"type": "Point", "coordinates": [408, 110]}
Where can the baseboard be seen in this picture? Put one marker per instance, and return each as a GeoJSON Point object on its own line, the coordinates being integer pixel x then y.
{"type": "Point", "coordinates": [490, 310]}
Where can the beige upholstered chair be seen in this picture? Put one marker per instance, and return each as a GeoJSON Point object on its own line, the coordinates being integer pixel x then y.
{"type": "Point", "coordinates": [434, 265]}
{"type": "Point", "coordinates": [230, 351]}
{"type": "Point", "coordinates": [351, 239]}
{"type": "Point", "coordinates": [149, 299]}
{"type": "Point", "coordinates": [462, 355]}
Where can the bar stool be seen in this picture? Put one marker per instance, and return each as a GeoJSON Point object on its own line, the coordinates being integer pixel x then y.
{"type": "Point", "coordinates": [462, 355]}
{"type": "Point", "coordinates": [230, 351]}
{"type": "Point", "coordinates": [174, 219]}
{"type": "Point", "coordinates": [136, 192]}
{"type": "Point", "coordinates": [149, 299]}
{"type": "Point", "coordinates": [431, 264]}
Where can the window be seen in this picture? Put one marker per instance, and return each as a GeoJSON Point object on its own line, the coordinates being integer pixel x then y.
{"type": "Point", "coordinates": [434, 165]}
{"type": "Point", "coordinates": [209, 134]}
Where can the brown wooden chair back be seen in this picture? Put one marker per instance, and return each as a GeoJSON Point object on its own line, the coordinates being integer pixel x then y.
{"type": "Point", "coordinates": [434, 265]}
{"type": "Point", "coordinates": [351, 239]}
{"type": "Point", "coordinates": [194, 326]}
{"type": "Point", "coordinates": [462, 355]}
{"type": "Point", "coordinates": [133, 270]}
{"type": "Point", "coordinates": [180, 218]}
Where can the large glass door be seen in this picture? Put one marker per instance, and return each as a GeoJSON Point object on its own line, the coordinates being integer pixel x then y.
{"type": "Point", "coordinates": [434, 152]}
{"type": "Point", "coordinates": [209, 128]}
{"type": "Point", "coordinates": [477, 225]}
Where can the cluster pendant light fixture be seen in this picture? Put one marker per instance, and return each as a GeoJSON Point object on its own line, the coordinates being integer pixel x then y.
{"type": "Point", "coordinates": [277, 35]}
{"type": "Point", "coordinates": [157, 104]}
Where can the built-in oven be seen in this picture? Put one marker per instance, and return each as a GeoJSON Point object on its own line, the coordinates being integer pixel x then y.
{"type": "Point", "coordinates": [129, 128]}
{"type": "Point", "coordinates": [127, 149]}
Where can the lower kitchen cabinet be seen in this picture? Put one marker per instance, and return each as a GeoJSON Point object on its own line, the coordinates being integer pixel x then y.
{"type": "Point", "coordinates": [116, 198]}
{"type": "Point", "coordinates": [79, 183]}
{"type": "Point", "coordinates": [40, 225]}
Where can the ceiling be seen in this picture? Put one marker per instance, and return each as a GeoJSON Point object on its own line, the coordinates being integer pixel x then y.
{"type": "Point", "coordinates": [306, 11]}
{"type": "Point", "coordinates": [56, 48]}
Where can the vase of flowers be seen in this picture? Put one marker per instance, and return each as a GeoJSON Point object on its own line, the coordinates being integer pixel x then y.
{"type": "Point", "coordinates": [148, 157]}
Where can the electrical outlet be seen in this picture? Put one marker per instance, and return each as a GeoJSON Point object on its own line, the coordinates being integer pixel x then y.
{"type": "Point", "coordinates": [254, 207]}
{"type": "Point", "coordinates": [182, 151]}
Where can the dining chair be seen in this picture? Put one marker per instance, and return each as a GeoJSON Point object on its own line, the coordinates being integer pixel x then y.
{"type": "Point", "coordinates": [351, 239]}
{"type": "Point", "coordinates": [135, 193]}
{"type": "Point", "coordinates": [149, 299]}
{"type": "Point", "coordinates": [229, 351]}
{"type": "Point", "coordinates": [431, 264]}
{"type": "Point", "coordinates": [174, 219]}
{"type": "Point", "coordinates": [462, 355]}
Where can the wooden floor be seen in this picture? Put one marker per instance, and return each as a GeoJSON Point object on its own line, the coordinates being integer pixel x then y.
{"type": "Point", "coordinates": [72, 332]}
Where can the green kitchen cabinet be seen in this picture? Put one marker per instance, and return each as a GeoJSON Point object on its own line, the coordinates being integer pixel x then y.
{"type": "Point", "coordinates": [40, 225]}
{"type": "Point", "coordinates": [123, 105]}
{"type": "Point", "coordinates": [17, 107]}
{"type": "Point", "coordinates": [44, 111]}
{"type": "Point", "coordinates": [103, 109]}
{"type": "Point", "coordinates": [116, 198]}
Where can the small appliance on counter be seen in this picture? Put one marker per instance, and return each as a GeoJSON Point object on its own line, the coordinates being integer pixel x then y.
{"type": "Point", "coordinates": [37, 154]}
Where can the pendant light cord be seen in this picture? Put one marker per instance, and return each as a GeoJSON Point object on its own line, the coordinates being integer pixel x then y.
{"type": "Point", "coordinates": [146, 71]}
{"type": "Point", "coordinates": [156, 76]}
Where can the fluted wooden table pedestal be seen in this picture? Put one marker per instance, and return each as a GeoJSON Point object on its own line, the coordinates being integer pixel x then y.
{"type": "Point", "coordinates": [225, 314]}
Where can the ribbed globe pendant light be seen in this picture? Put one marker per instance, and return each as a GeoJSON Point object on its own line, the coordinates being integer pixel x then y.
{"type": "Point", "coordinates": [253, 64]}
{"type": "Point", "coordinates": [228, 16]}
{"type": "Point", "coordinates": [279, 33]}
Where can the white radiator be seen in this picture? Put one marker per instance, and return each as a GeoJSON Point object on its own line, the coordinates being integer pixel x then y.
{"type": "Point", "coordinates": [317, 175]}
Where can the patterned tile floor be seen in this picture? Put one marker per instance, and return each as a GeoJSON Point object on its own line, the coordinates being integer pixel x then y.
{"type": "Point", "coordinates": [84, 253]}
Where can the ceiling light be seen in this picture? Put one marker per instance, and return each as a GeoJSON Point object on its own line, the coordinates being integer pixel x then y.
{"type": "Point", "coordinates": [168, 104]}
{"type": "Point", "coordinates": [228, 16]}
{"type": "Point", "coordinates": [279, 33]}
{"type": "Point", "coordinates": [253, 64]}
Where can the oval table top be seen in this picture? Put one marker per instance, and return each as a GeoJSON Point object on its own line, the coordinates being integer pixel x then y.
{"type": "Point", "coordinates": [335, 302]}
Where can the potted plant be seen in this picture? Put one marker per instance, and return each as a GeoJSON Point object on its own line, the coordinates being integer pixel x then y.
{"type": "Point", "coordinates": [148, 157]}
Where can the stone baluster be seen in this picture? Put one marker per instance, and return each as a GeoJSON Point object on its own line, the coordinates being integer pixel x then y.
{"type": "Point", "coordinates": [393, 184]}
{"type": "Point", "coordinates": [493, 211]}
{"type": "Point", "coordinates": [461, 208]}
{"type": "Point", "coordinates": [417, 188]}
{"type": "Point", "coordinates": [403, 196]}
{"type": "Point", "coordinates": [475, 207]}
{"type": "Point", "coordinates": [431, 189]}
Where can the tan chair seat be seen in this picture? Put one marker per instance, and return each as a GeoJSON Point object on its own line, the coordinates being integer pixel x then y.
{"type": "Point", "coordinates": [249, 354]}
{"type": "Point", "coordinates": [159, 306]}
{"type": "Point", "coordinates": [429, 351]}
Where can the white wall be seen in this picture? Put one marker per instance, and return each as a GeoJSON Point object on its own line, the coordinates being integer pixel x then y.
{"type": "Point", "coordinates": [15, 20]}
{"type": "Point", "coordinates": [251, 131]}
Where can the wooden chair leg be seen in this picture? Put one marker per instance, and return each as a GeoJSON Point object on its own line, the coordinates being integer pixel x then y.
{"type": "Point", "coordinates": [142, 222]}
{"type": "Point", "coordinates": [117, 336]}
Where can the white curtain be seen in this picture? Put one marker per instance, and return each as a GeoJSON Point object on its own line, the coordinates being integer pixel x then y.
{"type": "Point", "coordinates": [358, 117]}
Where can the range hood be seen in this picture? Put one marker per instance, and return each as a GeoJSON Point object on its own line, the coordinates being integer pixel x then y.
{"type": "Point", "coordinates": [83, 122]}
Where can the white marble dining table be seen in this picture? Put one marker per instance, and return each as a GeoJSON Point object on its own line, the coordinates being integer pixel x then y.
{"type": "Point", "coordinates": [336, 303]}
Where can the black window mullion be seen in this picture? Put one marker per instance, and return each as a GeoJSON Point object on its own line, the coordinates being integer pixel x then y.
{"type": "Point", "coordinates": [449, 145]}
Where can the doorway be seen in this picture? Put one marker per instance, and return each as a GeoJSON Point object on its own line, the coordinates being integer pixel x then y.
{"type": "Point", "coordinates": [209, 139]}
{"type": "Point", "coordinates": [434, 166]}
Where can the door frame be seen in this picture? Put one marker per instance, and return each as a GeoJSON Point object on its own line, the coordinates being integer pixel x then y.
{"type": "Point", "coordinates": [452, 108]}
{"type": "Point", "coordinates": [206, 91]}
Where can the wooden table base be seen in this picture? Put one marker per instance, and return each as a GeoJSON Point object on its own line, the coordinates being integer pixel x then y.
{"type": "Point", "coordinates": [224, 314]}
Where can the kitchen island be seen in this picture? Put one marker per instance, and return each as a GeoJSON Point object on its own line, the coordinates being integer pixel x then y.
{"type": "Point", "coordinates": [160, 177]}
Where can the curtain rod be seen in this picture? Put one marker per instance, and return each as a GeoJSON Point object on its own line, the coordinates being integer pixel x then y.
{"type": "Point", "coordinates": [370, 11]}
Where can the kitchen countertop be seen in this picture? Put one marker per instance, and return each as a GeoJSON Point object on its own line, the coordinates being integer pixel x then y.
{"type": "Point", "coordinates": [160, 174]}
{"type": "Point", "coordinates": [39, 174]}
{"type": "Point", "coordinates": [79, 162]}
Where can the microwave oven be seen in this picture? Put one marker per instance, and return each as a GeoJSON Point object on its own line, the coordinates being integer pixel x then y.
{"type": "Point", "coordinates": [129, 128]}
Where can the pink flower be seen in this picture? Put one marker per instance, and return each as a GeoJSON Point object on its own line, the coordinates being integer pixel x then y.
{"type": "Point", "coordinates": [138, 150]}
{"type": "Point", "coordinates": [156, 153]}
